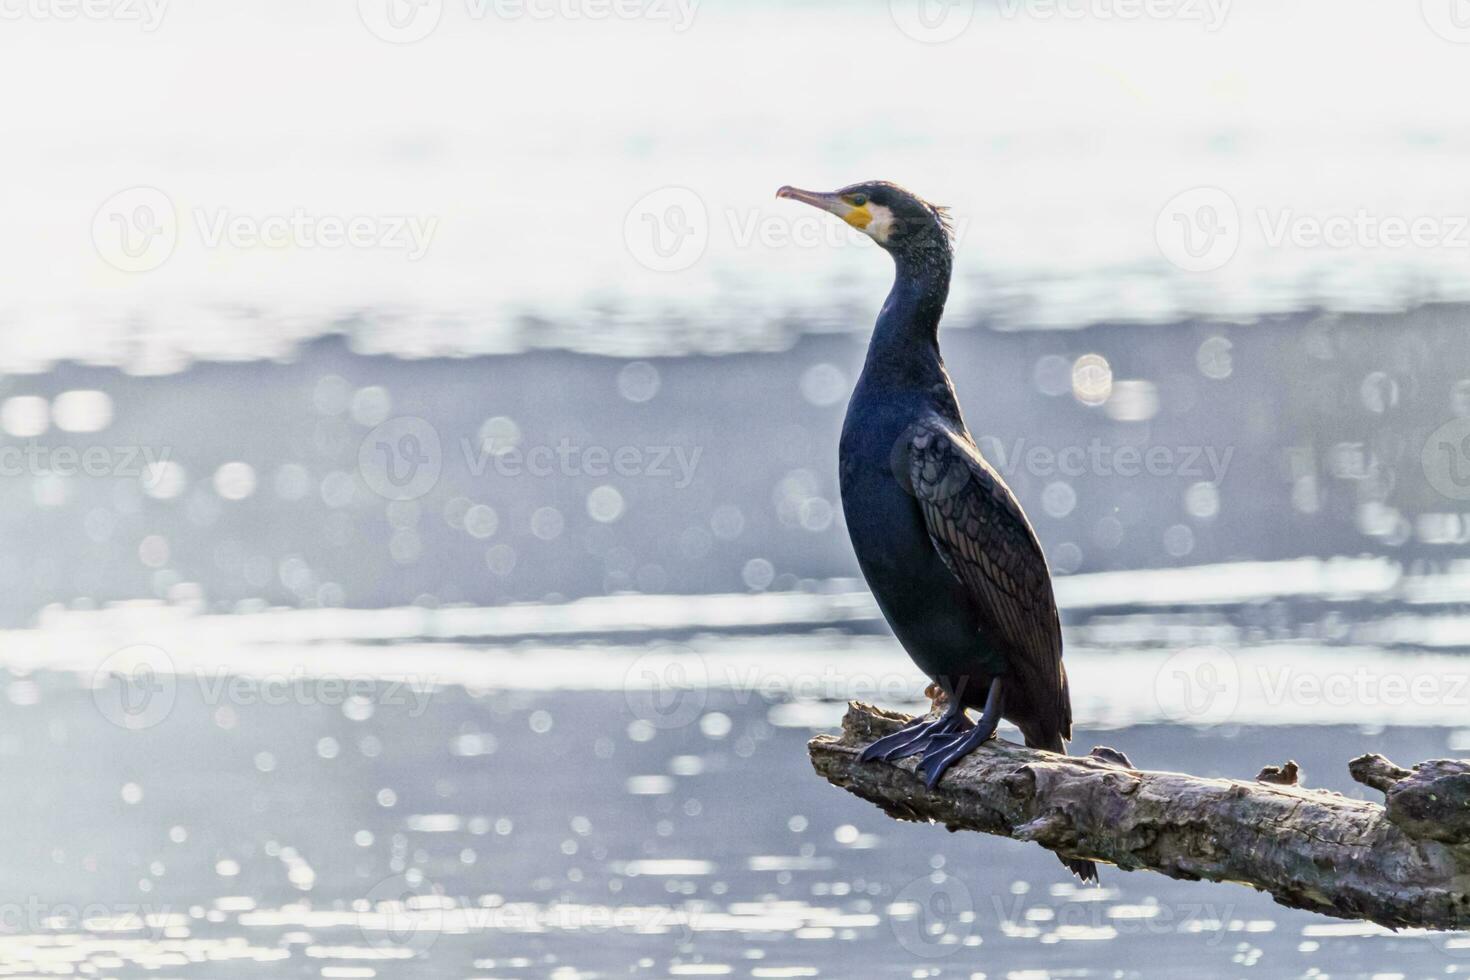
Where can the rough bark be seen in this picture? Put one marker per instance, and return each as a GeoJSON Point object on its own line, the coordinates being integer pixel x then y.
{"type": "Point", "coordinates": [1404, 864]}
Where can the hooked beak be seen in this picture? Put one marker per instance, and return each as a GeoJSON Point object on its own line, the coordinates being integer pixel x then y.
{"type": "Point", "coordinates": [817, 199]}
{"type": "Point", "coordinates": [832, 203]}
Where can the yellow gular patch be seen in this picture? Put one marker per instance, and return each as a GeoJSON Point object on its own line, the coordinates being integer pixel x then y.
{"type": "Point", "coordinates": [880, 223]}
{"type": "Point", "coordinates": [858, 217]}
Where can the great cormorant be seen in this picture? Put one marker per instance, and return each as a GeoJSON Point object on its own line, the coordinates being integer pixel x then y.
{"type": "Point", "coordinates": [943, 543]}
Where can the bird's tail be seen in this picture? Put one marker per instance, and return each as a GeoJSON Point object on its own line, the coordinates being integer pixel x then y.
{"type": "Point", "coordinates": [1082, 868]}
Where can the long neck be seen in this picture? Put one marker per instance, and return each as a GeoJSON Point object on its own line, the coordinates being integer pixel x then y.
{"type": "Point", "coordinates": [905, 345]}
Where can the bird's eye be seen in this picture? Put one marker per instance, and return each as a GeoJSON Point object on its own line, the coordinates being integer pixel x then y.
{"type": "Point", "coordinates": [858, 200]}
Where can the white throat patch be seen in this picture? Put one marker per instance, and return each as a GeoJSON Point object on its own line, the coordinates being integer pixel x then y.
{"type": "Point", "coordinates": [881, 225]}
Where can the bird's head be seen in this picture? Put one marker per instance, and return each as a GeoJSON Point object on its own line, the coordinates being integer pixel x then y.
{"type": "Point", "coordinates": [899, 221]}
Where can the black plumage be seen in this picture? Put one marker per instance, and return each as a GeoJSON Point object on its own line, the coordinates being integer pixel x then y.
{"type": "Point", "coordinates": [943, 543]}
{"type": "Point", "coordinates": [984, 538]}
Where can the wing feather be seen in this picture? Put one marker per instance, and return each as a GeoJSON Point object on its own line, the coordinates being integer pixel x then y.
{"type": "Point", "coordinates": [983, 536]}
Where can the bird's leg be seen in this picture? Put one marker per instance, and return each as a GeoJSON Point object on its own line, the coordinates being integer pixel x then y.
{"type": "Point", "coordinates": [917, 735]}
{"type": "Point", "coordinates": [946, 752]}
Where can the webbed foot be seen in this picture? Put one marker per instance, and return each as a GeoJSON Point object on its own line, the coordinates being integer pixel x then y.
{"type": "Point", "coordinates": [916, 737]}
{"type": "Point", "coordinates": [946, 751]}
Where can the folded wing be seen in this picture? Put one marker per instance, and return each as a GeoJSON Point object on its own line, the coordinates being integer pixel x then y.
{"type": "Point", "coordinates": [980, 531]}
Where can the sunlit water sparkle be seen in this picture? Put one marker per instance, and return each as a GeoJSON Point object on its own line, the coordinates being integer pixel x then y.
{"type": "Point", "coordinates": [603, 789]}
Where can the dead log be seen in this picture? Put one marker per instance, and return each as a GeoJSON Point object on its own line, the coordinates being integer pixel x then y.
{"type": "Point", "coordinates": [1406, 864]}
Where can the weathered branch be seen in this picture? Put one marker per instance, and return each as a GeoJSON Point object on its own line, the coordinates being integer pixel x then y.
{"type": "Point", "coordinates": [1406, 864]}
